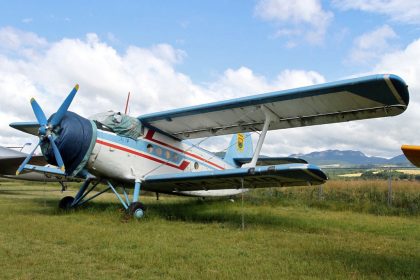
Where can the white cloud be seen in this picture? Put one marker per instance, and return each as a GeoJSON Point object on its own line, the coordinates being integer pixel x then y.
{"type": "Point", "coordinates": [379, 137]}
{"type": "Point", "coordinates": [243, 81]}
{"type": "Point", "coordinates": [12, 39]}
{"type": "Point", "coordinates": [372, 45]}
{"type": "Point", "coordinates": [405, 11]}
{"type": "Point", "coordinates": [105, 76]}
{"type": "Point", "coordinates": [297, 17]}
{"type": "Point", "coordinates": [405, 63]}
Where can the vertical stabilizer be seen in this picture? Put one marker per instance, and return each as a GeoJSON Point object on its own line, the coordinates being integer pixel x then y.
{"type": "Point", "coordinates": [240, 147]}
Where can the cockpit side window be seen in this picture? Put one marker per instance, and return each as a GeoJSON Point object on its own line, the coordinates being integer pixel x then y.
{"type": "Point", "coordinates": [102, 126]}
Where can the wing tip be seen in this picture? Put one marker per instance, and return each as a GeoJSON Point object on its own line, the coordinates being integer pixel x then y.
{"type": "Point", "coordinates": [400, 86]}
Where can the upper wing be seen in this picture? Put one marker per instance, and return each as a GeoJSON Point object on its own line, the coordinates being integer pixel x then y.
{"type": "Point", "coordinates": [354, 99]}
{"type": "Point", "coordinates": [412, 153]}
{"type": "Point", "coordinates": [258, 177]}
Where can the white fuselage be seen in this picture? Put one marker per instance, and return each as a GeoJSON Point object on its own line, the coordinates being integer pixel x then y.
{"type": "Point", "coordinates": [125, 159]}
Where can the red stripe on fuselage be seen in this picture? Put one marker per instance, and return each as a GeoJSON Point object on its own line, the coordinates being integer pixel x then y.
{"type": "Point", "coordinates": [149, 136]}
{"type": "Point", "coordinates": [183, 165]}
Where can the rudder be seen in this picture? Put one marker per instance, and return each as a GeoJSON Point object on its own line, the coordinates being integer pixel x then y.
{"type": "Point", "coordinates": [240, 146]}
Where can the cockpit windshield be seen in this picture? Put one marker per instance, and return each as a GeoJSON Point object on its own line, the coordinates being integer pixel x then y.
{"type": "Point", "coordinates": [118, 123]}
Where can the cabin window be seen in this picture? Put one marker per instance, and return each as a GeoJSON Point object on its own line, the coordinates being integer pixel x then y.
{"type": "Point", "coordinates": [149, 148]}
{"type": "Point", "coordinates": [196, 165]}
{"type": "Point", "coordinates": [176, 157]}
{"type": "Point", "coordinates": [168, 154]}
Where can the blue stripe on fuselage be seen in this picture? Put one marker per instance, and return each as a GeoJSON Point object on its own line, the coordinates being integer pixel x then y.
{"type": "Point", "coordinates": [158, 151]}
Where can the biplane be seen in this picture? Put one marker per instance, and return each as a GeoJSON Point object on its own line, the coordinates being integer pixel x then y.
{"type": "Point", "coordinates": [153, 152]}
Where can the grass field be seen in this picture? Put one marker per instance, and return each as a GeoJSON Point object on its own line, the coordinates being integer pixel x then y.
{"type": "Point", "coordinates": [287, 236]}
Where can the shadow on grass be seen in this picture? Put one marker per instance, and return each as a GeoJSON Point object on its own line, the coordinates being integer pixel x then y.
{"type": "Point", "coordinates": [51, 206]}
{"type": "Point", "coordinates": [375, 265]}
{"type": "Point", "coordinates": [193, 211]}
{"type": "Point", "coordinates": [27, 192]}
{"type": "Point", "coordinates": [222, 211]}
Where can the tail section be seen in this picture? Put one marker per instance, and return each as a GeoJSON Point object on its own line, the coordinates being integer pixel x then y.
{"type": "Point", "coordinates": [240, 147]}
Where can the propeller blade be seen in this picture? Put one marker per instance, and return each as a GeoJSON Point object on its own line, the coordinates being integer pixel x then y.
{"type": "Point", "coordinates": [64, 107]}
{"type": "Point", "coordinates": [27, 159]}
{"type": "Point", "coordinates": [57, 155]}
{"type": "Point", "coordinates": [39, 114]}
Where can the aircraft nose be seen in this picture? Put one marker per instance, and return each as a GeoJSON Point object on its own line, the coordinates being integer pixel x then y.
{"type": "Point", "coordinates": [75, 137]}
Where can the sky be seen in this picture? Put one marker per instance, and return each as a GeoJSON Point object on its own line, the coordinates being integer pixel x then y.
{"type": "Point", "coordinates": [172, 54]}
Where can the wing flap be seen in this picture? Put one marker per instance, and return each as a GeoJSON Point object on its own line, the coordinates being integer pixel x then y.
{"type": "Point", "coordinates": [271, 160]}
{"type": "Point", "coordinates": [354, 99]}
{"type": "Point", "coordinates": [258, 177]}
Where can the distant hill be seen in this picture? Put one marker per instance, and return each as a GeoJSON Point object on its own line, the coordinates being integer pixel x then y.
{"type": "Point", "coordinates": [350, 158]}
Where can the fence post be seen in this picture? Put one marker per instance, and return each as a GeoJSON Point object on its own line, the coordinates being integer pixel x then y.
{"type": "Point", "coordinates": [390, 186]}
{"type": "Point", "coordinates": [321, 192]}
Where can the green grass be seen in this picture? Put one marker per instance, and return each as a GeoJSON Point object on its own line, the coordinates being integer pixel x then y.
{"type": "Point", "coordinates": [185, 238]}
{"type": "Point", "coordinates": [366, 196]}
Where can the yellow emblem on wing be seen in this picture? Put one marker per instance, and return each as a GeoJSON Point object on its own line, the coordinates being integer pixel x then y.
{"type": "Point", "coordinates": [240, 142]}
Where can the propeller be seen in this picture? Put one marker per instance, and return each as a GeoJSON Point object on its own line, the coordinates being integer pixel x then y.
{"type": "Point", "coordinates": [46, 130]}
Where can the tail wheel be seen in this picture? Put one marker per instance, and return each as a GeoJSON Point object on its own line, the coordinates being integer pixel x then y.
{"type": "Point", "coordinates": [136, 209]}
{"type": "Point", "coordinates": [66, 202]}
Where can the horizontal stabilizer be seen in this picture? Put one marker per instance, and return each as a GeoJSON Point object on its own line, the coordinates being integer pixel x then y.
{"type": "Point", "coordinates": [270, 160]}
{"type": "Point", "coordinates": [258, 177]}
{"type": "Point", "coordinates": [27, 127]}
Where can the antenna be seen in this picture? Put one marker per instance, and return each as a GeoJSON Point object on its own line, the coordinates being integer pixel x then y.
{"type": "Point", "coordinates": [126, 104]}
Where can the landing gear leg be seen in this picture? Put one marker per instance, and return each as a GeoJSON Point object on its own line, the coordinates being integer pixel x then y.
{"type": "Point", "coordinates": [136, 208]}
{"type": "Point", "coordinates": [70, 202]}
{"type": "Point", "coordinates": [63, 186]}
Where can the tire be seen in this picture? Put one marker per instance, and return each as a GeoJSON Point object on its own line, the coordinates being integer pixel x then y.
{"type": "Point", "coordinates": [65, 202]}
{"type": "Point", "coordinates": [136, 209]}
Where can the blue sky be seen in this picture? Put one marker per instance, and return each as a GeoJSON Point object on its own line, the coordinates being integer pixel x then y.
{"type": "Point", "coordinates": [215, 34]}
{"type": "Point", "coordinates": [210, 50]}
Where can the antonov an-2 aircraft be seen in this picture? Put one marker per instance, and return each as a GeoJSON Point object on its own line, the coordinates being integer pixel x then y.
{"type": "Point", "coordinates": [152, 152]}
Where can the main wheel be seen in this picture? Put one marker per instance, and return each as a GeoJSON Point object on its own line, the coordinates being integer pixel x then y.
{"type": "Point", "coordinates": [136, 209]}
{"type": "Point", "coordinates": [65, 202]}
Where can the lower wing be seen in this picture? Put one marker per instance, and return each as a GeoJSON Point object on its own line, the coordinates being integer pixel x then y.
{"type": "Point", "coordinates": [259, 177]}
{"type": "Point", "coordinates": [11, 159]}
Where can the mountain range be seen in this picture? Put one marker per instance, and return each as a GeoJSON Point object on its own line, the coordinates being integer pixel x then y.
{"type": "Point", "coordinates": [350, 158]}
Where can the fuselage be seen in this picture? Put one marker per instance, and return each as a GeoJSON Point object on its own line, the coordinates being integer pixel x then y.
{"type": "Point", "coordinates": [125, 159]}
